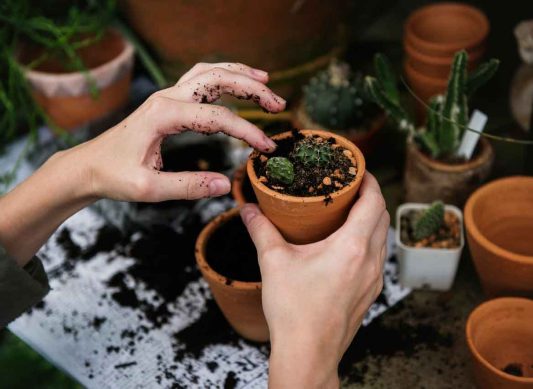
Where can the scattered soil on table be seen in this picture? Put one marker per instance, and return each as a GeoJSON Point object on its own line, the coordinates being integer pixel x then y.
{"type": "Point", "coordinates": [447, 237]}
{"type": "Point", "coordinates": [231, 252]}
{"type": "Point", "coordinates": [514, 369]}
{"type": "Point", "coordinates": [309, 180]}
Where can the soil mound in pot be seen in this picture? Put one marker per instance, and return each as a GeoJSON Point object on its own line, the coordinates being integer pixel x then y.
{"type": "Point", "coordinates": [231, 252]}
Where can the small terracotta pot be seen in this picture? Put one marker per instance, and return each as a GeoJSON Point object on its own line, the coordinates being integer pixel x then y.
{"type": "Point", "coordinates": [499, 226]}
{"type": "Point", "coordinates": [365, 140]}
{"type": "Point", "coordinates": [239, 301]}
{"type": "Point", "coordinates": [304, 220]}
{"type": "Point", "coordinates": [440, 30]}
{"type": "Point", "coordinates": [66, 98]}
{"type": "Point", "coordinates": [241, 188]}
{"type": "Point", "coordinates": [499, 334]}
{"type": "Point", "coordinates": [427, 180]}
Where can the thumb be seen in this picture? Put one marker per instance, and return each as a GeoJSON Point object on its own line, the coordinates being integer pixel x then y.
{"type": "Point", "coordinates": [261, 230]}
{"type": "Point", "coordinates": [191, 185]}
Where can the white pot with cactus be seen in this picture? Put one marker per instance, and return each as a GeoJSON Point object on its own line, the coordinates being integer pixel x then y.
{"type": "Point", "coordinates": [437, 166]}
{"type": "Point", "coordinates": [429, 240]}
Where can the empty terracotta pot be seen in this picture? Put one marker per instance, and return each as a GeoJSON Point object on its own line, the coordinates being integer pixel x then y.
{"type": "Point", "coordinates": [239, 301]}
{"type": "Point", "coordinates": [440, 30]}
{"type": "Point", "coordinates": [499, 226]}
{"type": "Point", "coordinates": [427, 180]}
{"type": "Point", "coordinates": [65, 96]}
{"type": "Point", "coordinates": [499, 334]}
{"type": "Point", "coordinates": [304, 220]}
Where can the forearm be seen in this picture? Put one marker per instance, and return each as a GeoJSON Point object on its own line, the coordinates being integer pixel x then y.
{"type": "Point", "coordinates": [32, 211]}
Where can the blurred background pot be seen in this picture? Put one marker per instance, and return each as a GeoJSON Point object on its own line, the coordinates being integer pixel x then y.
{"type": "Point", "coordinates": [499, 334]}
{"type": "Point", "coordinates": [499, 226]}
{"type": "Point", "coordinates": [66, 96]}
{"type": "Point", "coordinates": [426, 179]}
{"type": "Point", "coordinates": [239, 301]}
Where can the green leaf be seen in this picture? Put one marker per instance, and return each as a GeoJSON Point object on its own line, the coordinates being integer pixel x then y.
{"type": "Point", "coordinates": [481, 75]}
{"type": "Point", "coordinates": [386, 77]}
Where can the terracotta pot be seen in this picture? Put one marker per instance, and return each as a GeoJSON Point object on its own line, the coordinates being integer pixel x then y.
{"type": "Point", "coordinates": [241, 188]}
{"type": "Point", "coordinates": [66, 98]}
{"type": "Point", "coordinates": [365, 139]}
{"type": "Point", "coordinates": [499, 334]}
{"type": "Point", "coordinates": [440, 30]}
{"type": "Point", "coordinates": [239, 301]}
{"type": "Point", "coordinates": [427, 180]}
{"type": "Point", "coordinates": [499, 226]}
{"type": "Point", "coordinates": [304, 220]}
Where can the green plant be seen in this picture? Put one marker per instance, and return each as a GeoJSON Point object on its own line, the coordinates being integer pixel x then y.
{"type": "Point", "coordinates": [335, 98]}
{"type": "Point", "coordinates": [309, 152]}
{"type": "Point", "coordinates": [447, 116]}
{"type": "Point", "coordinates": [280, 169]}
{"type": "Point", "coordinates": [429, 221]}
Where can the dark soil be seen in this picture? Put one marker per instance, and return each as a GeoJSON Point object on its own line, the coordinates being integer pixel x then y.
{"type": "Point", "coordinates": [309, 180]}
{"type": "Point", "coordinates": [514, 369]}
{"type": "Point", "coordinates": [231, 252]}
{"type": "Point", "coordinates": [448, 236]}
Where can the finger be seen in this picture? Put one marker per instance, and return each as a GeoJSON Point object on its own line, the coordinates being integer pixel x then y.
{"type": "Point", "coordinates": [207, 87]}
{"type": "Point", "coordinates": [202, 67]}
{"type": "Point", "coordinates": [187, 185]}
{"type": "Point", "coordinates": [261, 230]}
{"type": "Point", "coordinates": [167, 116]}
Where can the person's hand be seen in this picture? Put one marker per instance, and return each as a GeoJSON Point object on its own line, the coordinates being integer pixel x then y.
{"type": "Point", "coordinates": [125, 161]}
{"type": "Point", "coordinates": [315, 296]}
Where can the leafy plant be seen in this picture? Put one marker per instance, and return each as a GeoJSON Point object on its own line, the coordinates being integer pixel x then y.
{"type": "Point", "coordinates": [280, 169]}
{"type": "Point", "coordinates": [335, 98]}
{"type": "Point", "coordinates": [311, 153]}
{"type": "Point", "coordinates": [447, 116]}
{"type": "Point", "coordinates": [429, 221]}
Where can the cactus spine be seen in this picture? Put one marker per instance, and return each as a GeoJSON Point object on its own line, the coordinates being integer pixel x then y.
{"type": "Point", "coordinates": [280, 170]}
{"type": "Point", "coordinates": [429, 221]}
{"type": "Point", "coordinates": [311, 153]}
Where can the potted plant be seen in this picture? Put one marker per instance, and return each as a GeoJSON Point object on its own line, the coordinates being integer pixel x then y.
{"type": "Point", "coordinates": [499, 335]}
{"type": "Point", "coordinates": [499, 227]}
{"type": "Point", "coordinates": [429, 239]}
{"type": "Point", "coordinates": [307, 186]}
{"type": "Point", "coordinates": [433, 167]}
{"type": "Point", "coordinates": [227, 258]}
{"type": "Point", "coordinates": [335, 100]}
{"type": "Point", "coordinates": [77, 68]}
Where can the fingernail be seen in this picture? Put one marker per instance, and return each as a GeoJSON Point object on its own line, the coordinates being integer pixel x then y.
{"type": "Point", "coordinates": [270, 145]}
{"type": "Point", "coordinates": [260, 73]}
{"type": "Point", "coordinates": [248, 212]}
{"type": "Point", "coordinates": [281, 100]}
{"type": "Point", "coordinates": [219, 187]}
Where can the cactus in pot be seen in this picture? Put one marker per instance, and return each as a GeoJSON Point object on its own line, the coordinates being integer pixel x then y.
{"type": "Point", "coordinates": [280, 169]}
{"type": "Point", "coordinates": [447, 114]}
{"type": "Point", "coordinates": [429, 221]}
{"type": "Point", "coordinates": [309, 153]}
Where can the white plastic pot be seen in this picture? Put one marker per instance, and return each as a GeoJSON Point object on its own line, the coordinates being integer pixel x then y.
{"type": "Point", "coordinates": [428, 268]}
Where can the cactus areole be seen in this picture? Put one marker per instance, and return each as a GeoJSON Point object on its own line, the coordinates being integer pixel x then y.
{"type": "Point", "coordinates": [306, 166]}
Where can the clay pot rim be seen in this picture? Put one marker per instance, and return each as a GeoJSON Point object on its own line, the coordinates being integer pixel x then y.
{"type": "Point", "coordinates": [200, 254]}
{"type": "Point", "coordinates": [412, 52]}
{"type": "Point", "coordinates": [436, 82]}
{"type": "Point", "coordinates": [474, 231]}
{"type": "Point", "coordinates": [429, 250]}
{"type": "Point", "coordinates": [484, 155]}
{"type": "Point", "coordinates": [487, 306]}
{"type": "Point", "coordinates": [476, 15]}
{"type": "Point", "coordinates": [299, 113]}
{"type": "Point", "coordinates": [358, 155]}
{"type": "Point", "coordinates": [76, 76]}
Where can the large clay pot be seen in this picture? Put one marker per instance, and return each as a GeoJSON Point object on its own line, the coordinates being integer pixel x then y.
{"type": "Point", "coordinates": [365, 139]}
{"type": "Point", "coordinates": [276, 35]}
{"type": "Point", "coordinates": [427, 180]}
{"type": "Point", "coordinates": [65, 96]}
{"type": "Point", "coordinates": [499, 226]}
{"type": "Point", "coordinates": [239, 301]}
{"type": "Point", "coordinates": [499, 334]}
{"type": "Point", "coordinates": [304, 220]}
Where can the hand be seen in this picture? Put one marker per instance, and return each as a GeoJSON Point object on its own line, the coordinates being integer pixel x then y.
{"type": "Point", "coordinates": [315, 296]}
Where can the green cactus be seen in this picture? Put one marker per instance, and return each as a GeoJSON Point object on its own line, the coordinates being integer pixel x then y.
{"type": "Point", "coordinates": [311, 153]}
{"type": "Point", "coordinates": [447, 115]}
{"type": "Point", "coordinates": [429, 221]}
{"type": "Point", "coordinates": [335, 98]}
{"type": "Point", "coordinates": [280, 170]}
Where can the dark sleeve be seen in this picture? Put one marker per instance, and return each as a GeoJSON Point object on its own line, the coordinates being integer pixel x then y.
{"type": "Point", "coordinates": [20, 288]}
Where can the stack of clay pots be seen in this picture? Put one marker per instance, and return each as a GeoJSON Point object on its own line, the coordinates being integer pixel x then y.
{"type": "Point", "coordinates": [432, 35]}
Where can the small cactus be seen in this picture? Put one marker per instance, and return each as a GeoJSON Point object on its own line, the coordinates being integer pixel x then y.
{"type": "Point", "coordinates": [311, 153]}
{"type": "Point", "coordinates": [280, 170]}
{"type": "Point", "coordinates": [334, 98]}
{"type": "Point", "coordinates": [429, 221]}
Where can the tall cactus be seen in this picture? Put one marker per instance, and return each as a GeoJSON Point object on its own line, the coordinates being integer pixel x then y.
{"type": "Point", "coordinates": [447, 115]}
{"type": "Point", "coordinates": [429, 221]}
